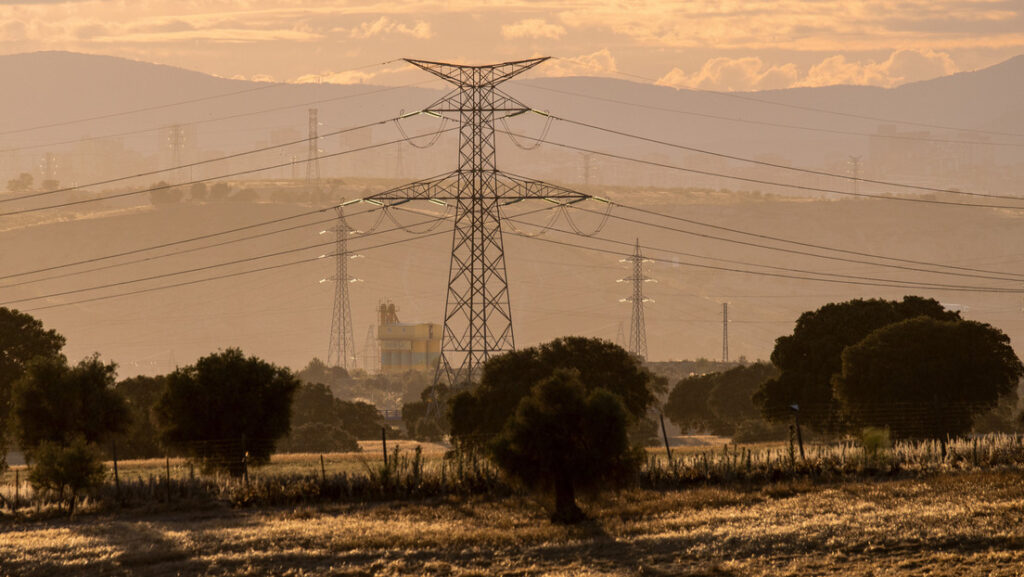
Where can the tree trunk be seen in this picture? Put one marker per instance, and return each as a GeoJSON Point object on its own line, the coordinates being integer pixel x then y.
{"type": "Point", "coordinates": [566, 510]}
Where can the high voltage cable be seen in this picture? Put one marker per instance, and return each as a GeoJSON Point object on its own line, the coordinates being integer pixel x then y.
{"type": "Point", "coordinates": [1018, 278]}
{"type": "Point", "coordinates": [193, 164]}
{"type": "Point", "coordinates": [776, 165]}
{"type": "Point", "coordinates": [219, 118]}
{"type": "Point", "coordinates": [769, 182]}
{"type": "Point", "coordinates": [912, 284]}
{"type": "Point", "coordinates": [817, 246]}
{"type": "Point", "coordinates": [206, 268]}
{"type": "Point", "coordinates": [778, 275]}
{"type": "Point", "coordinates": [771, 124]}
{"type": "Point", "coordinates": [209, 179]}
{"type": "Point", "coordinates": [224, 276]}
{"type": "Point", "coordinates": [171, 104]}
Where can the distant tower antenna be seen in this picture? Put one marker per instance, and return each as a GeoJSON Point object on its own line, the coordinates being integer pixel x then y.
{"type": "Point", "coordinates": [855, 169]}
{"type": "Point", "coordinates": [313, 156]}
{"type": "Point", "coordinates": [342, 348]}
{"type": "Point", "coordinates": [637, 326]}
{"type": "Point", "coordinates": [725, 332]}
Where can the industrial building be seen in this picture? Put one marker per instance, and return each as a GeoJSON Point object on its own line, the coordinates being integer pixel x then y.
{"type": "Point", "coordinates": [406, 346]}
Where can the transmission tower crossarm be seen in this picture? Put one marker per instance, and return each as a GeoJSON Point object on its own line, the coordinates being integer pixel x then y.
{"type": "Point", "coordinates": [440, 188]}
{"type": "Point", "coordinates": [486, 75]}
{"type": "Point", "coordinates": [515, 188]}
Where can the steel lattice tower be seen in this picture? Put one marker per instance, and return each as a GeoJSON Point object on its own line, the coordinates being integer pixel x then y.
{"type": "Point", "coordinates": [313, 154]}
{"type": "Point", "coordinates": [637, 326]}
{"type": "Point", "coordinates": [478, 315]}
{"type": "Point", "coordinates": [342, 350]}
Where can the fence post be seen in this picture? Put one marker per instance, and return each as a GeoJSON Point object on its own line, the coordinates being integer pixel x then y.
{"type": "Point", "coordinates": [167, 461]}
{"type": "Point", "coordinates": [664, 435]}
{"type": "Point", "coordinates": [323, 470]}
{"type": "Point", "coordinates": [245, 462]}
{"type": "Point", "coordinates": [384, 444]}
{"type": "Point", "coordinates": [117, 480]}
{"type": "Point", "coordinates": [17, 486]}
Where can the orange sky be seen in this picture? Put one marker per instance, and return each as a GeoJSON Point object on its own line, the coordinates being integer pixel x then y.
{"type": "Point", "coordinates": [713, 44]}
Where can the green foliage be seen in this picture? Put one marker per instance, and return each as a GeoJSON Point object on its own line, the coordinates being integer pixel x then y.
{"type": "Point", "coordinates": [720, 402]}
{"type": "Point", "coordinates": [163, 193]}
{"type": "Point", "coordinates": [479, 415]}
{"type": "Point", "coordinates": [21, 184]}
{"type": "Point", "coordinates": [227, 409]}
{"type": "Point", "coordinates": [323, 423]}
{"type": "Point", "coordinates": [926, 378]}
{"type": "Point", "coordinates": [415, 415]}
{"type": "Point", "coordinates": [57, 403]}
{"type": "Point", "coordinates": [877, 443]}
{"type": "Point", "coordinates": [141, 440]}
{"type": "Point", "coordinates": [22, 338]}
{"type": "Point", "coordinates": [808, 359]}
{"type": "Point", "coordinates": [564, 437]}
{"type": "Point", "coordinates": [65, 471]}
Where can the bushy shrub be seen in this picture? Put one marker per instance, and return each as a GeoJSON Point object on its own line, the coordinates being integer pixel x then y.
{"type": "Point", "coordinates": [65, 472]}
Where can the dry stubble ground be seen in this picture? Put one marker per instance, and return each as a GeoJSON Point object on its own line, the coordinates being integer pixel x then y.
{"type": "Point", "coordinates": [953, 524]}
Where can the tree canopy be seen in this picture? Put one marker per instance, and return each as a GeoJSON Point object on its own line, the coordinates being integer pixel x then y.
{"type": "Point", "coordinates": [720, 403]}
{"type": "Point", "coordinates": [563, 437]}
{"type": "Point", "coordinates": [808, 358]}
{"type": "Point", "coordinates": [22, 338]}
{"type": "Point", "coordinates": [479, 415]}
{"type": "Point", "coordinates": [56, 403]}
{"type": "Point", "coordinates": [924, 377]}
{"type": "Point", "coordinates": [227, 408]}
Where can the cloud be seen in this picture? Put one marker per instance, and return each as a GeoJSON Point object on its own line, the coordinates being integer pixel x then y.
{"type": "Point", "coordinates": [901, 67]}
{"type": "Point", "coordinates": [532, 28]}
{"type": "Point", "coordinates": [751, 73]}
{"type": "Point", "coordinates": [359, 76]}
{"type": "Point", "coordinates": [600, 63]}
{"type": "Point", "coordinates": [733, 74]}
{"type": "Point", "coordinates": [385, 25]}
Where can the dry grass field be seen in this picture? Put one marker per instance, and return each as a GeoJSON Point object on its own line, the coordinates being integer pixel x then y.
{"type": "Point", "coordinates": [957, 523]}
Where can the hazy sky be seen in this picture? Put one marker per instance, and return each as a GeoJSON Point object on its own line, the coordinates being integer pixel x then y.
{"type": "Point", "coordinates": [715, 44]}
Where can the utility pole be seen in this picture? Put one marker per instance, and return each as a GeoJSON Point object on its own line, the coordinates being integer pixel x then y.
{"type": "Point", "coordinates": [637, 326]}
{"type": "Point", "coordinates": [313, 157]}
{"type": "Point", "coordinates": [342, 349]}
{"type": "Point", "coordinates": [855, 170]}
{"type": "Point", "coordinates": [478, 315]}
{"type": "Point", "coordinates": [725, 332]}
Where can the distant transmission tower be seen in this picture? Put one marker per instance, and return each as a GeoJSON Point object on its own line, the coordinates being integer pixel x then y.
{"type": "Point", "coordinates": [313, 155]}
{"type": "Point", "coordinates": [855, 170]}
{"type": "Point", "coordinates": [176, 138]}
{"type": "Point", "coordinates": [478, 317]}
{"type": "Point", "coordinates": [725, 332]}
{"type": "Point", "coordinates": [342, 350]}
{"type": "Point", "coordinates": [620, 336]}
{"type": "Point", "coordinates": [637, 326]}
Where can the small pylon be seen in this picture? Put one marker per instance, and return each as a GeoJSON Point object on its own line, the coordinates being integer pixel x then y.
{"type": "Point", "coordinates": [637, 326]}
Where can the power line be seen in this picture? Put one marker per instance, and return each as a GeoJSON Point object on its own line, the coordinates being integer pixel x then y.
{"type": "Point", "coordinates": [224, 276]}
{"type": "Point", "coordinates": [191, 164]}
{"type": "Point", "coordinates": [209, 179]}
{"type": "Point", "coordinates": [772, 183]}
{"type": "Point", "coordinates": [1008, 276]}
{"type": "Point", "coordinates": [855, 178]}
{"type": "Point", "coordinates": [772, 124]}
{"type": "Point", "coordinates": [904, 285]}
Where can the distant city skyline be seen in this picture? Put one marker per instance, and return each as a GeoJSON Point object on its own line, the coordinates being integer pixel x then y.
{"type": "Point", "coordinates": [698, 44]}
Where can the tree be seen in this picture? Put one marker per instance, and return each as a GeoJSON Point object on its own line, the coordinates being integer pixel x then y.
{"type": "Point", "coordinates": [198, 192]}
{"type": "Point", "coordinates": [22, 338]}
{"type": "Point", "coordinates": [416, 416]}
{"type": "Point", "coordinates": [227, 410]}
{"type": "Point", "coordinates": [687, 404]}
{"type": "Point", "coordinates": [317, 423]}
{"type": "Point", "coordinates": [141, 440]}
{"type": "Point", "coordinates": [73, 469]}
{"type": "Point", "coordinates": [925, 377]}
{"type": "Point", "coordinates": [163, 193]}
{"type": "Point", "coordinates": [220, 191]}
{"type": "Point", "coordinates": [564, 437]}
{"type": "Point", "coordinates": [56, 403]}
{"type": "Point", "coordinates": [809, 357]}
{"type": "Point", "coordinates": [479, 415]}
{"type": "Point", "coordinates": [722, 402]}
{"type": "Point", "coordinates": [21, 184]}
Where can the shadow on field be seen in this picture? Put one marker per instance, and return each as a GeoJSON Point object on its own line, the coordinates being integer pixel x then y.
{"type": "Point", "coordinates": [140, 548]}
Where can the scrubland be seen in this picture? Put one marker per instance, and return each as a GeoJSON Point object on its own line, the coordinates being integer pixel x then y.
{"type": "Point", "coordinates": [954, 523]}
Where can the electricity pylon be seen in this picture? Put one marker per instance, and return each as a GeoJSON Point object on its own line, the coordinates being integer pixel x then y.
{"type": "Point", "coordinates": [637, 326]}
{"type": "Point", "coordinates": [478, 316]}
{"type": "Point", "coordinates": [342, 350]}
{"type": "Point", "coordinates": [313, 155]}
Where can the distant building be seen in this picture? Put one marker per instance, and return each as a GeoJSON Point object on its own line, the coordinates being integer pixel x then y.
{"type": "Point", "coordinates": [406, 346]}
